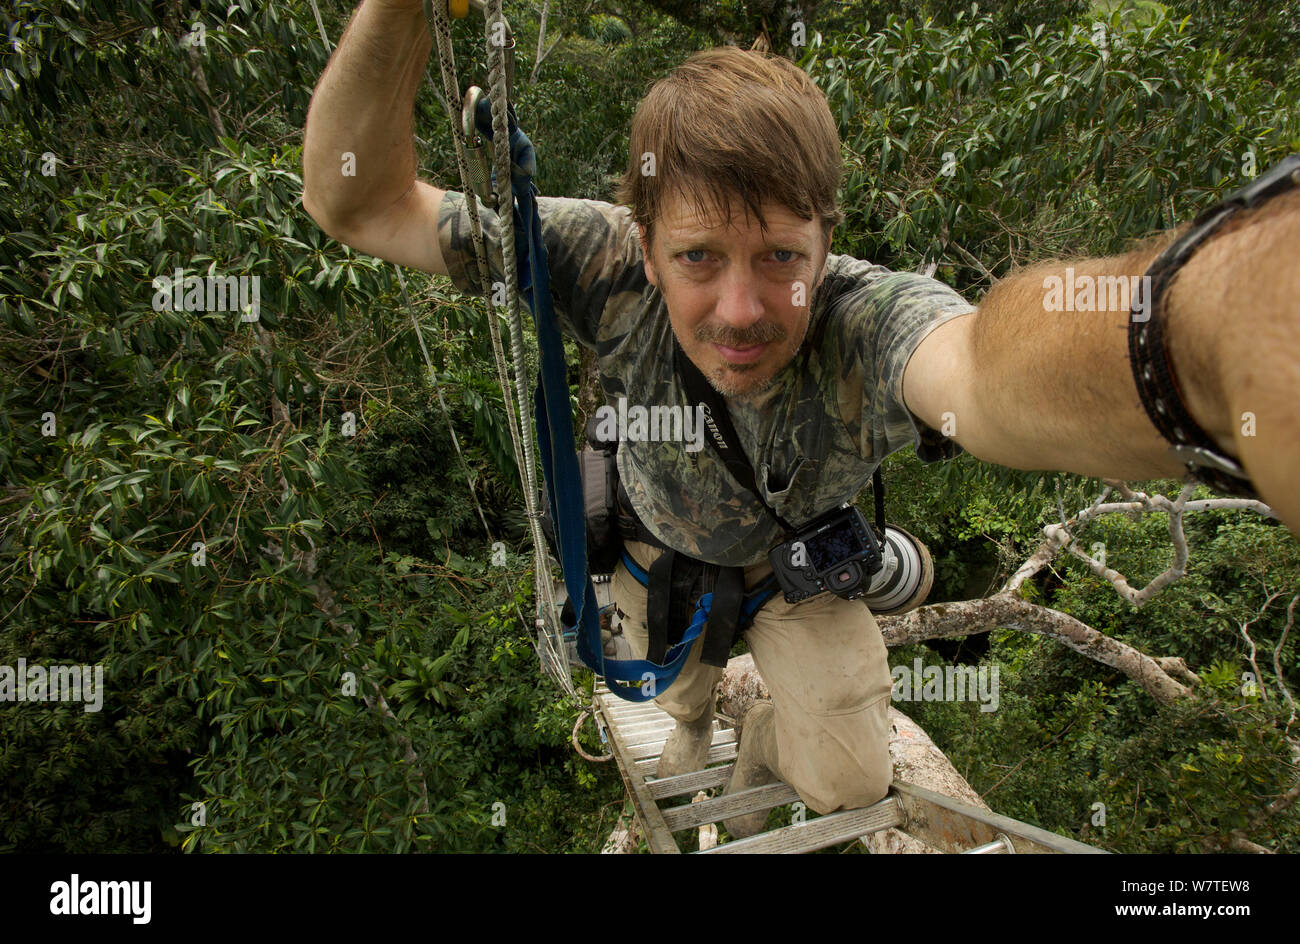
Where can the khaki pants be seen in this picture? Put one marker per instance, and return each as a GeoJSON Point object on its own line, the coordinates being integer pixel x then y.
{"type": "Point", "coordinates": [825, 665]}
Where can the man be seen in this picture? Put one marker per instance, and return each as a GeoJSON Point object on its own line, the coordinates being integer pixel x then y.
{"type": "Point", "coordinates": [827, 363]}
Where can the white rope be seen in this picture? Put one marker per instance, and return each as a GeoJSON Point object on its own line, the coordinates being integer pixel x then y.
{"type": "Point", "coordinates": [436, 13]}
{"type": "Point", "coordinates": [500, 97]}
{"type": "Point", "coordinates": [577, 725]}
{"type": "Point", "coordinates": [320, 25]}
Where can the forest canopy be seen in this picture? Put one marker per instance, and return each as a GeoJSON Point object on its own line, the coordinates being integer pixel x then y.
{"type": "Point", "coordinates": [249, 513]}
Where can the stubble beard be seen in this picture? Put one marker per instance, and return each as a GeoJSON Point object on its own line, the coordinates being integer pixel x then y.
{"type": "Point", "coordinates": [743, 381]}
{"type": "Point", "coordinates": [732, 381]}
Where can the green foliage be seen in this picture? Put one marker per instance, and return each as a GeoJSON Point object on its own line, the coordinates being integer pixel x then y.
{"type": "Point", "coordinates": [184, 506]}
{"type": "Point", "coordinates": [982, 152]}
{"type": "Point", "coordinates": [1069, 732]}
{"type": "Point", "coordinates": [188, 505]}
{"type": "Point", "coordinates": [1065, 737]}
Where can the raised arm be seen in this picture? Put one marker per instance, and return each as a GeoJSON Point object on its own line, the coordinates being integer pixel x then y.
{"type": "Point", "coordinates": [1032, 388]}
{"type": "Point", "coordinates": [358, 157]}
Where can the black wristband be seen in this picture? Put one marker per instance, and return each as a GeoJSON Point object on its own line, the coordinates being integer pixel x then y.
{"type": "Point", "coordinates": [1148, 351]}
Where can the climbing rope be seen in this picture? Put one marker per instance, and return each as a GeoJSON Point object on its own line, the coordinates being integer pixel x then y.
{"type": "Point", "coordinates": [514, 389]}
{"type": "Point", "coordinates": [555, 659]}
{"type": "Point", "coordinates": [577, 726]}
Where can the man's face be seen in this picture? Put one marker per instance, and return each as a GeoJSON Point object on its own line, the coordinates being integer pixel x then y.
{"type": "Point", "coordinates": [738, 297]}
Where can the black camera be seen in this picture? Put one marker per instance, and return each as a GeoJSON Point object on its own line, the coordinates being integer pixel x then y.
{"type": "Point", "coordinates": [837, 551]}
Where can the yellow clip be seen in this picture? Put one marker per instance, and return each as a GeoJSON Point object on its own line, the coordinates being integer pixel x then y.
{"type": "Point", "coordinates": [458, 9]}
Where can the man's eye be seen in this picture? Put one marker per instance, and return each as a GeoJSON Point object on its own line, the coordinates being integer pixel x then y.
{"type": "Point", "coordinates": [694, 255]}
{"type": "Point", "coordinates": [785, 255]}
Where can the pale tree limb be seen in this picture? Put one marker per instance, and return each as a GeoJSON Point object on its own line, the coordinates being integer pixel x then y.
{"type": "Point", "coordinates": [1058, 536]}
{"type": "Point", "coordinates": [1143, 503]}
{"type": "Point", "coordinates": [1244, 628]}
{"type": "Point", "coordinates": [1176, 666]}
{"type": "Point", "coordinates": [1158, 676]}
{"type": "Point", "coordinates": [1239, 843]}
{"type": "Point", "coordinates": [625, 836]}
{"type": "Point", "coordinates": [1006, 610]}
{"type": "Point", "coordinates": [541, 37]}
{"type": "Point", "coordinates": [708, 832]}
{"type": "Point", "coordinates": [1163, 676]}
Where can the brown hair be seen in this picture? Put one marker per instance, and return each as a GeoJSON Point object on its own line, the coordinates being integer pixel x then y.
{"type": "Point", "coordinates": [734, 123]}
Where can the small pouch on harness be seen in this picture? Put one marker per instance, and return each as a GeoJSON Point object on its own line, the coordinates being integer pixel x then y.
{"type": "Point", "coordinates": [597, 463]}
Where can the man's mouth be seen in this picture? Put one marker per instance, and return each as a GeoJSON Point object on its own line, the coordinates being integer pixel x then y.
{"type": "Point", "coordinates": [741, 355]}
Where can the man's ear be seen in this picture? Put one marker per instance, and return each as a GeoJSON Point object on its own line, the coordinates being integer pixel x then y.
{"type": "Point", "coordinates": [650, 274]}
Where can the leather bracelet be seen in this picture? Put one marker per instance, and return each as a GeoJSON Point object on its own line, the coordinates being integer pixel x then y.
{"type": "Point", "coordinates": [1153, 373]}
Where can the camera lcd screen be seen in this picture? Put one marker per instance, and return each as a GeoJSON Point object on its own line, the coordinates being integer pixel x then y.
{"type": "Point", "coordinates": [834, 545]}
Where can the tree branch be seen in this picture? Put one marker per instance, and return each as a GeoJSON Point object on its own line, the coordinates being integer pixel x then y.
{"type": "Point", "coordinates": [1005, 610]}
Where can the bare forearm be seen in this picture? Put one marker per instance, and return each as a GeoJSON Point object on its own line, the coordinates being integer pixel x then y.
{"type": "Point", "coordinates": [1055, 386]}
{"type": "Point", "coordinates": [358, 156]}
{"type": "Point", "coordinates": [1053, 381]}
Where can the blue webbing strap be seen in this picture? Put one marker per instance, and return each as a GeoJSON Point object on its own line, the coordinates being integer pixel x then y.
{"type": "Point", "coordinates": [627, 678]}
{"type": "Point", "coordinates": [752, 603]}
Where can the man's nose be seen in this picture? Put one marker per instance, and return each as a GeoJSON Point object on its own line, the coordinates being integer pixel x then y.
{"type": "Point", "coordinates": [739, 305]}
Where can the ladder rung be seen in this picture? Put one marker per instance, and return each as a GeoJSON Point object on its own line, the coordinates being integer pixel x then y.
{"type": "Point", "coordinates": [821, 832]}
{"type": "Point", "coordinates": [655, 740]}
{"type": "Point", "coordinates": [689, 783]}
{"type": "Point", "coordinates": [656, 747]}
{"type": "Point", "coordinates": [628, 715]}
{"type": "Point", "coordinates": [637, 724]}
{"type": "Point", "coordinates": [645, 766]}
{"type": "Point", "coordinates": [639, 733]}
{"type": "Point", "coordinates": [640, 729]}
{"type": "Point", "coordinates": [724, 807]}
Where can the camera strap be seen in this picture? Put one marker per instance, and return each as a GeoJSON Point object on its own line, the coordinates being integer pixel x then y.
{"type": "Point", "coordinates": [722, 432]}
{"type": "Point", "coordinates": [726, 443]}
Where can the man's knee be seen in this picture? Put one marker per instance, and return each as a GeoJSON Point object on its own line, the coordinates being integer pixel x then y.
{"type": "Point", "coordinates": [839, 761]}
{"type": "Point", "coordinates": [830, 661]}
{"type": "Point", "coordinates": [858, 784]}
{"type": "Point", "coordinates": [869, 785]}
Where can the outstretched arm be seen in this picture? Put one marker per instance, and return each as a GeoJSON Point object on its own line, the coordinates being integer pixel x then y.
{"type": "Point", "coordinates": [358, 158]}
{"type": "Point", "coordinates": [1032, 388]}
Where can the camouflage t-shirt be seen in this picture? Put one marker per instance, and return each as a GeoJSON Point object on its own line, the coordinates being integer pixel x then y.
{"type": "Point", "coordinates": [813, 438]}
